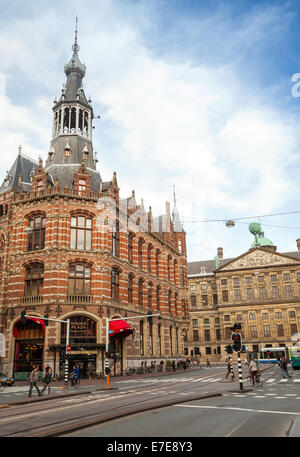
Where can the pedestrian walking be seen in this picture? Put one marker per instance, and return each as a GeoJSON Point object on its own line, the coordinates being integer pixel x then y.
{"type": "Point", "coordinates": [33, 379]}
{"type": "Point", "coordinates": [229, 369]}
{"type": "Point", "coordinates": [208, 363]}
{"type": "Point", "coordinates": [47, 380]}
{"type": "Point", "coordinates": [253, 370]}
{"type": "Point", "coordinates": [173, 365]}
{"type": "Point", "coordinates": [284, 368]}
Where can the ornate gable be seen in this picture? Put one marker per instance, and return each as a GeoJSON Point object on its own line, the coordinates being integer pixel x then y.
{"type": "Point", "coordinates": [258, 257]}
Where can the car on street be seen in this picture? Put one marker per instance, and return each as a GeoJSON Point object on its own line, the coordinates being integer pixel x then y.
{"type": "Point", "coordinates": [6, 381]}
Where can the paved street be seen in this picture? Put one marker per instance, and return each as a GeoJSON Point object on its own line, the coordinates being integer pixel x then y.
{"type": "Point", "coordinates": [267, 411]}
{"type": "Point", "coordinates": [210, 404]}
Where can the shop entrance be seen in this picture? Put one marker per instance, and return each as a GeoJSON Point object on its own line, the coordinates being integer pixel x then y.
{"type": "Point", "coordinates": [86, 362]}
{"type": "Point", "coordinates": [29, 348]}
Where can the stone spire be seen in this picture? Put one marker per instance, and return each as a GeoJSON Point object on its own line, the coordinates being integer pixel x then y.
{"type": "Point", "coordinates": [175, 215]}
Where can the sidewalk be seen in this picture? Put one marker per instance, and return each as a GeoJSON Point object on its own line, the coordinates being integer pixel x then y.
{"type": "Point", "coordinates": [113, 379]}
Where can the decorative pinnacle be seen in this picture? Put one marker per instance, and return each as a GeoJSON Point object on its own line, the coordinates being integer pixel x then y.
{"type": "Point", "coordinates": [75, 46]}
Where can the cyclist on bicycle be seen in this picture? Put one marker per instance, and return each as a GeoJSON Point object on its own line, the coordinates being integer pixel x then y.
{"type": "Point", "coordinates": [74, 375]}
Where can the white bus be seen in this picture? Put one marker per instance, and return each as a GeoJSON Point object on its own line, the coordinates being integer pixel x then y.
{"type": "Point", "coordinates": [271, 355]}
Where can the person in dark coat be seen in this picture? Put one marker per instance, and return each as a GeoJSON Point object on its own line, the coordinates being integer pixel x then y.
{"type": "Point", "coordinates": [47, 380]}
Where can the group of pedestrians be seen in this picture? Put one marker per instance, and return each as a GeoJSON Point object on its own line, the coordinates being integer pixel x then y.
{"type": "Point", "coordinates": [47, 379]}
{"type": "Point", "coordinates": [254, 370]}
{"type": "Point", "coordinates": [34, 378]}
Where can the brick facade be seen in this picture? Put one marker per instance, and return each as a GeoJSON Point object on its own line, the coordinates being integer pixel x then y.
{"type": "Point", "coordinates": [64, 268]}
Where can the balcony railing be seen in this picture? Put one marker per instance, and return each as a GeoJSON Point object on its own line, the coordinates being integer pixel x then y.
{"type": "Point", "coordinates": [32, 299]}
{"type": "Point", "coordinates": [79, 299]}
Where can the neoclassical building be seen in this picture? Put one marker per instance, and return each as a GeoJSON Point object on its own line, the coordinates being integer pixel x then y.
{"type": "Point", "coordinates": [72, 248]}
{"type": "Point", "coordinates": [259, 289]}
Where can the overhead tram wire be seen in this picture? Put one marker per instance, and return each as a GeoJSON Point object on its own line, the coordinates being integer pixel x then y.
{"type": "Point", "coordinates": [241, 218]}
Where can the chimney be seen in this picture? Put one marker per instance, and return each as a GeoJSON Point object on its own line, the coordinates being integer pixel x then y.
{"type": "Point", "coordinates": [220, 253]}
{"type": "Point", "coordinates": [298, 244]}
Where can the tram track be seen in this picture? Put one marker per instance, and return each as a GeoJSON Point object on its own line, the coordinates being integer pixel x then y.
{"type": "Point", "coordinates": [131, 406]}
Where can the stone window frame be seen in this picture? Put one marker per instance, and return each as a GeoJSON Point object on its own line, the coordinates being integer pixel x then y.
{"type": "Point", "coordinates": [77, 228]}
{"type": "Point", "coordinates": [36, 238]}
{"type": "Point", "coordinates": [32, 278]}
{"type": "Point", "coordinates": [85, 278]}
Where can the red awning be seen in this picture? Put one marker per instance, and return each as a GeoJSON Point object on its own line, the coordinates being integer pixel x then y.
{"type": "Point", "coordinates": [121, 327]}
{"type": "Point", "coordinates": [35, 319]}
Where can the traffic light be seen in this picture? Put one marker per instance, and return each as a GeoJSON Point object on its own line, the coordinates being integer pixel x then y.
{"type": "Point", "coordinates": [237, 341]}
{"type": "Point", "coordinates": [46, 322]}
{"type": "Point", "coordinates": [23, 318]}
{"type": "Point", "coordinates": [149, 318]}
{"type": "Point", "coordinates": [228, 349]}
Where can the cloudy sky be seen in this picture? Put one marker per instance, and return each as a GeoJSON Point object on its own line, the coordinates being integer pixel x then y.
{"type": "Point", "coordinates": [192, 93]}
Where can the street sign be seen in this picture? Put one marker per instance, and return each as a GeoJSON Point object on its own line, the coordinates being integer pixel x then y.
{"type": "Point", "coordinates": [68, 348]}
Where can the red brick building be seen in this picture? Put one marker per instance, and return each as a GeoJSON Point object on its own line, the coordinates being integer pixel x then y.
{"type": "Point", "coordinates": [72, 248]}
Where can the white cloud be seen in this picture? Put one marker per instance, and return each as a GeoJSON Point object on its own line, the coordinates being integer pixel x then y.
{"type": "Point", "coordinates": [165, 121]}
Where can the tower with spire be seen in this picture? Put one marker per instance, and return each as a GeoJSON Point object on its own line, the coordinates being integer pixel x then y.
{"type": "Point", "coordinates": [71, 142]}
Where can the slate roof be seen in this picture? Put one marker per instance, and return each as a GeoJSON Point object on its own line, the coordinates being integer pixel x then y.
{"type": "Point", "coordinates": [23, 166]}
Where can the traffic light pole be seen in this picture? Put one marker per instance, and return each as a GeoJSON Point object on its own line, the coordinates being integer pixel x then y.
{"type": "Point", "coordinates": [67, 341]}
{"type": "Point", "coordinates": [107, 338]}
{"type": "Point", "coordinates": [240, 371]}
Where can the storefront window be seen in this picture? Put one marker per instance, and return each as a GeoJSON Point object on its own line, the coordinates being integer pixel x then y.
{"type": "Point", "coordinates": [82, 330]}
{"type": "Point", "coordinates": [29, 346]}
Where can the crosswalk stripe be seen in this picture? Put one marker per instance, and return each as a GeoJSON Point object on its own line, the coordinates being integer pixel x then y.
{"type": "Point", "coordinates": [271, 380]}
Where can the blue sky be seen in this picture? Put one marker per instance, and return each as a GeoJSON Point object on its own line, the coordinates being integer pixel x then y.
{"type": "Point", "coordinates": [191, 93]}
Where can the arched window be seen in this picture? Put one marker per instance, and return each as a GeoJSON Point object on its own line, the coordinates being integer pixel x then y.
{"type": "Point", "coordinates": [140, 252]}
{"type": "Point", "coordinates": [34, 279]}
{"type": "Point", "coordinates": [81, 233]}
{"type": "Point", "coordinates": [175, 303]}
{"type": "Point", "coordinates": [159, 339]}
{"type": "Point", "coordinates": [36, 237]}
{"type": "Point", "coordinates": [158, 298]}
{"type": "Point", "coordinates": [116, 239]}
{"type": "Point", "coordinates": [150, 338]}
{"type": "Point", "coordinates": [115, 284]}
{"type": "Point", "coordinates": [170, 301]}
{"type": "Point", "coordinates": [157, 254]}
{"type": "Point", "coordinates": [150, 295]}
{"type": "Point", "coordinates": [141, 337]}
{"type": "Point", "coordinates": [149, 249]}
{"type": "Point", "coordinates": [130, 288]}
{"type": "Point", "coordinates": [169, 267]}
{"type": "Point", "coordinates": [79, 279]}
{"type": "Point", "coordinates": [82, 330]}
{"type": "Point", "coordinates": [177, 341]}
{"type": "Point", "coordinates": [130, 247]}
{"type": "Point", "coordinates": [140, 291]}
{"type": "Point", "coordinates": [175, 266]}
{"type": "Point", "coordinates": [171, 340]}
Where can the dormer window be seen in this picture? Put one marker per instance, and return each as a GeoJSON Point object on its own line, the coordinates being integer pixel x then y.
{"type": "Point", "coordinates": [82, 186]}
{"type": "Point", "coordinates": [67, 150]}
{"type": "Point", "coordinates": [85, 153]}
{"type": "Point", "coordinates": [39, 185]}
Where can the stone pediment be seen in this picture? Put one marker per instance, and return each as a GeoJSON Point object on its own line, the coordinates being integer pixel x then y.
{"type": "Point", "coordinates": [258, 258]}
